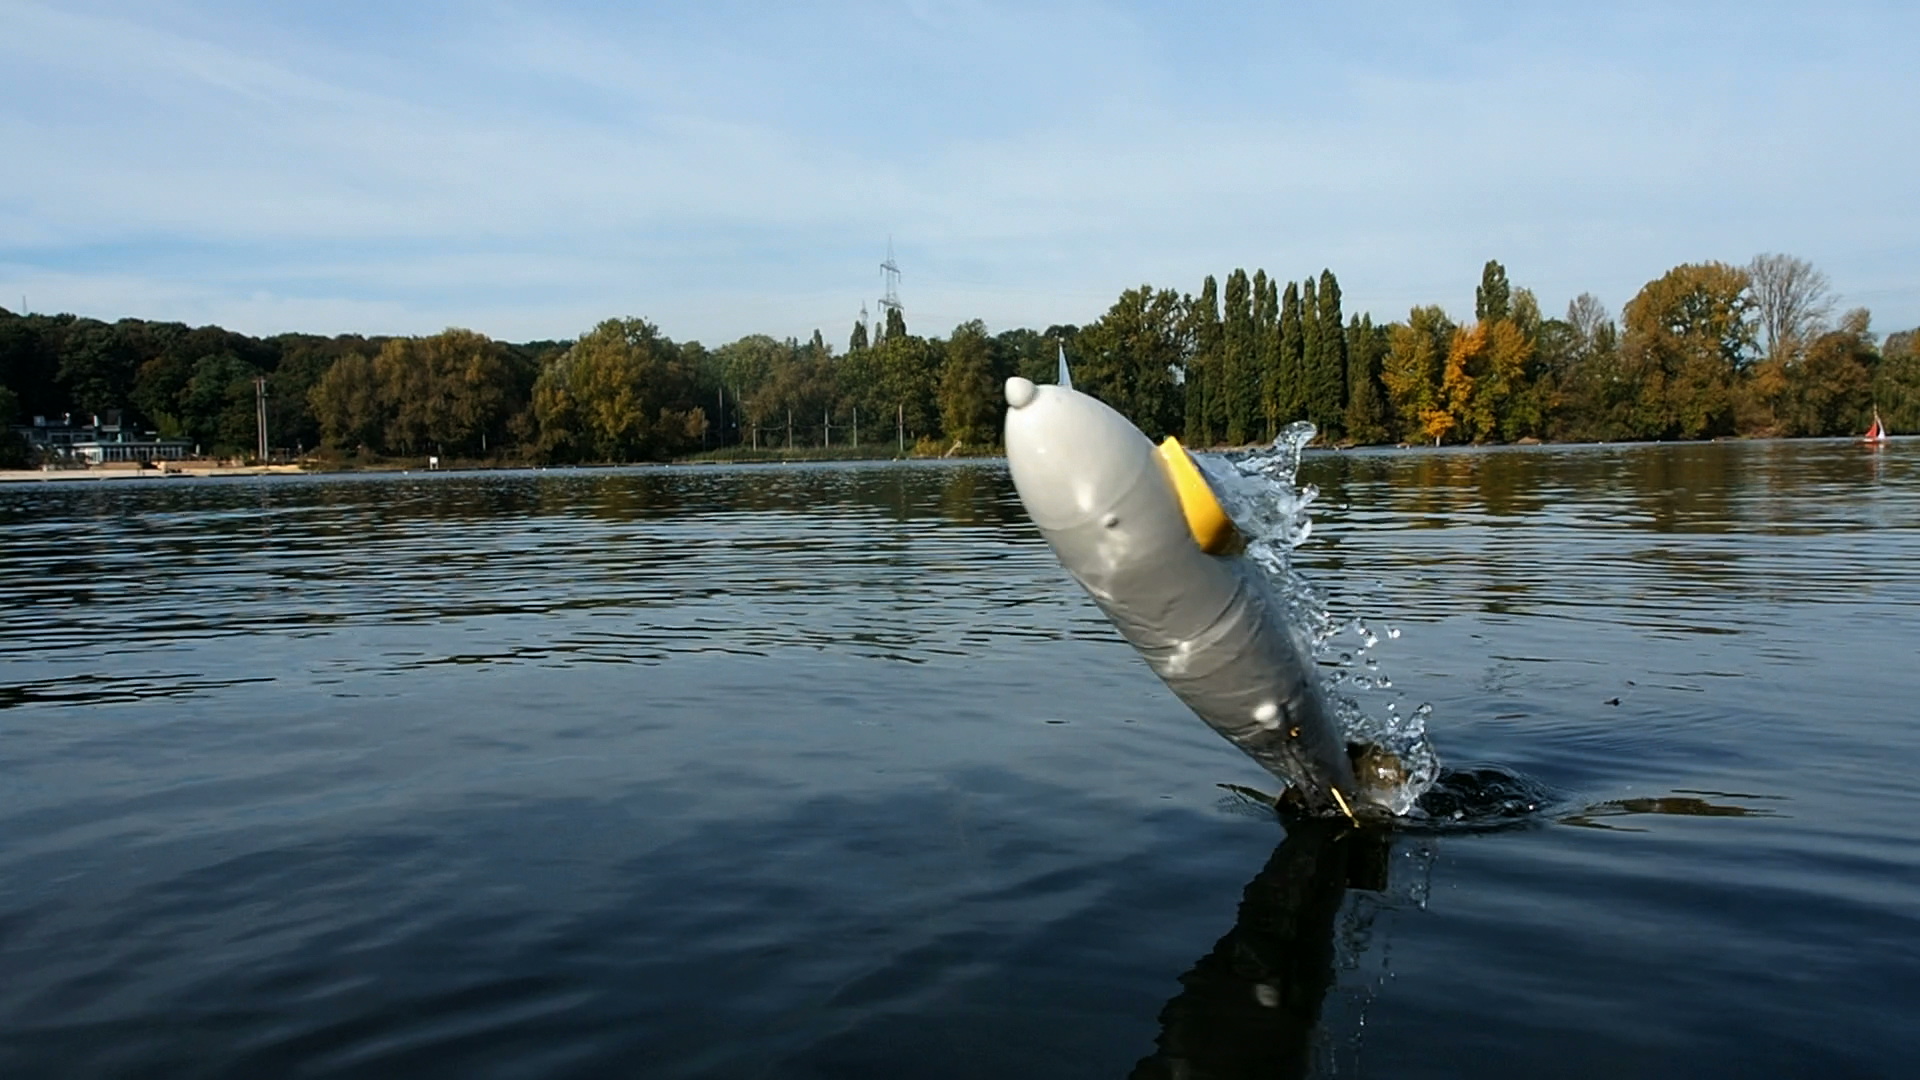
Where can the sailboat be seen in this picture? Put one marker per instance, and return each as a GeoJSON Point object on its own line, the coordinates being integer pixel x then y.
{"type": "Point", "coordinates": [1877, 431]}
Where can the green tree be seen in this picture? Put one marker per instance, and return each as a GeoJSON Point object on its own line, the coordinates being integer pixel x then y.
{"type": "Point", "coordinates": [1328, 386]}
{"type": "Point", "coordinates": [97, 368]}
{"type": "Point", "coordinates": [304, 360]}
{"type": "Point", "coordinates": [1023, 352]}
{"type": "Point", "coordinates": [1289, 385]}
{"type": "Point", "coordinates": [1204, 379]}
{"type": "Point", "coordinates": [1829, 386]}
{"type": "Point", "coordinates": [13, 451]}
{"type": "Point", "coordinates": [1266, 349]}
{"type": "Point", "coordinates": [1896, 382]}
{"type": "Point", "coordinates": [1311, 404]}
{"type": "Point", "coordinates": [346, 402]}
{"type": "Point", "coordinates": [1130, 355]}
{"type": "Point", "coordinates": [160, 382]}
{"type": "Point", "coordinates": [1686, 340]}
{"type": "Point", "coordinates": [1366, 413]}
{"type": "Point", "coordinates": [1526, 395]}
{"type": "Point", "coordinates": [1238, 376]}
{"type": "Point", "coordinates": [621, 393]}
{"type": "Point", "coordinates": [967, 408]}
{"type": "Point", "coordinates": [907, 372]}
{"type": "Point", "coordinates": [1591, 400]}
{"type": "Point", "coordinates": [748, 369]}
{"type": "Point", "coordinates": [219, 404]}
{"type": "Point", "coordinates": [29, 358]}
{"type": "Point", "coordinates": [1492, 300]}
{"type": "Point", "coordinates": [443, 393]}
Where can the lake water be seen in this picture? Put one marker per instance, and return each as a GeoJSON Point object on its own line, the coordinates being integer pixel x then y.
{"type": "Point", "coordinates": [831, 772]}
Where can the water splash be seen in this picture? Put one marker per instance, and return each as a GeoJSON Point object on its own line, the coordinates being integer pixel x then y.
{"type": "Point", "coordinates": [1257, 489]}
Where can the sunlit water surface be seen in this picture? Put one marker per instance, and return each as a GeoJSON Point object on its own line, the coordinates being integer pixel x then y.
{"type": "Point", "coordinates": [831, 772]}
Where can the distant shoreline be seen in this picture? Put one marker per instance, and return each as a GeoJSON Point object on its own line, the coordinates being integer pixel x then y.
{"type": "Point", "coordinates": [173, 472]}
{"type": "Point", "coordinates": [202, 470]}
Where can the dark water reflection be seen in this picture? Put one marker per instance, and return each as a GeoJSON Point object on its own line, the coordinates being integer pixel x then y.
{"type": "Point", "coordinates": [829, 772]}
{"type": "Point", "coordinates": [1251, 1007]}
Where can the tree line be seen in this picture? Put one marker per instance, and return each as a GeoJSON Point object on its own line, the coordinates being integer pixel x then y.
{"type": "Point", "coordinates": [1706, 350]}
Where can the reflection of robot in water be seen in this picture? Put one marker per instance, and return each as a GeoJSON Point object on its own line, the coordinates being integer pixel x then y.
{"type": "Point", "coordinates": [1252, 1005]}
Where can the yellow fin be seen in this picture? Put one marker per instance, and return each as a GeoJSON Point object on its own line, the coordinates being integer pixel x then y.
{"type": "Point", "coordinates": [1212, 529]}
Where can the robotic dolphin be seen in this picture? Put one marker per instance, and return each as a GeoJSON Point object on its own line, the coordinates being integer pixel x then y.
{"type": "Point", "coordinates": [1140, 529]}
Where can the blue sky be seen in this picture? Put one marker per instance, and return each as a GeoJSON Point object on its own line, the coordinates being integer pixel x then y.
{"type": "Point", "coordinates": [527, 169]}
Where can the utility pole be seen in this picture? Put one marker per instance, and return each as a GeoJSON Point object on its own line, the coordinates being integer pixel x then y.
{"type": "Point", "coordinates": [260, 413]}
{"type": "Point", "coordinates": [826, 427]}
{"type": "Point", "coordinates": [856, 427]}
{"type": "Point", "coordinates": [900, 425]}
{"type": "Point", "coordinates": [789, 429]}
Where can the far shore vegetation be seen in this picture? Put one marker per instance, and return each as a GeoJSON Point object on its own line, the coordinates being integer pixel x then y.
{"type": "Point", "coordinates": [1706, 350]}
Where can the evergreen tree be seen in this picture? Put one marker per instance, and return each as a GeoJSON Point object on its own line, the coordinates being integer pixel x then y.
{"type": "Point", "coordinates": [859, 339]}
{"type": "Point", "coordinates": [1330, 370]}
{"type": "Point", "coordinates": [896, 323]}
{"type": "Point", "coordinates": [1237, 369]}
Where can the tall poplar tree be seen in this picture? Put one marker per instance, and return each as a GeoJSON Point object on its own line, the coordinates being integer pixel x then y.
{"type": "Point", "coordinates": [1266, 346]}
{"type": "Point", "coordinates": [1293, 346]}
{"type": "Point", "coordinates": [1330, 371]}
{"type": "Point", "coordinates": [1365, 415]}
{"type": "Point", "coordinates": [1492, 301]}
{"type": "Point", "coordinates": [1203, 426]}
{"type": "Point", "coordinates": [1311, 404]}
{"type": "Point", "coordinates": [1237, 368]}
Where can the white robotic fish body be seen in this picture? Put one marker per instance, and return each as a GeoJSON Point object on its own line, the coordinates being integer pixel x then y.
{"type": "Point", "coordinates": [1111, 506]}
